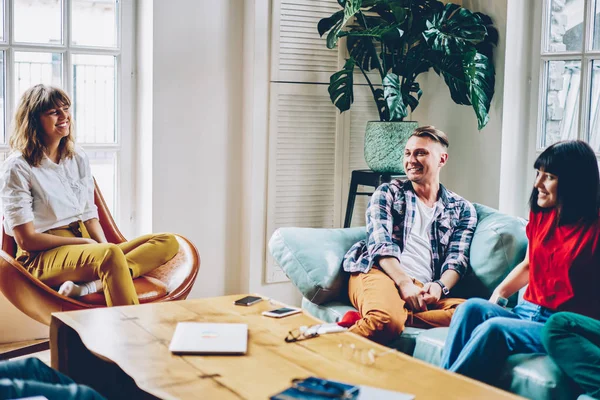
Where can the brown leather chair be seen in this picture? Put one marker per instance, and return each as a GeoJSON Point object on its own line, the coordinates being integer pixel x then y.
{"type": "Point", "coordinates": [171, 281]}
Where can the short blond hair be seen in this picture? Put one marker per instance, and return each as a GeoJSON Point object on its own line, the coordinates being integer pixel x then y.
{"type": "Point", "coordinates": [432, 133]}
{"type": "Point", "coordinates": [26, 136]}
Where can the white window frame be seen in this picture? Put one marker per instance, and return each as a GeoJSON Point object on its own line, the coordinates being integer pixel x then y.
{"type": "Point", "coordinates": [124, 122]}
{"type": "Point", "coordinates": [539, 73]}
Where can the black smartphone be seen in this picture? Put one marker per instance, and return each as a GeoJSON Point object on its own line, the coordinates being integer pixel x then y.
{"type": "Point", "coordinates": [247, 301]}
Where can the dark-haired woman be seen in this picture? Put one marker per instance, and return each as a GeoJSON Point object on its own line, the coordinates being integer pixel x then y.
{"type": "Point", "coordinates": [561, 267]}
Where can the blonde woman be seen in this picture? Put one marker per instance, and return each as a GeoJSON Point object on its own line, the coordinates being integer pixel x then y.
{"type": "Point", "coordinates": [47, 193]}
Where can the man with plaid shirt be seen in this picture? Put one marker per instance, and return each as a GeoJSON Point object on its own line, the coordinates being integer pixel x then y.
{"type": "Point", "coordinates": [417, 247]}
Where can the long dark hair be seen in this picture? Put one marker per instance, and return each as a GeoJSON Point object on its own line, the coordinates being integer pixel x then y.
{"type": "Point", "coordinates": [578, 194]}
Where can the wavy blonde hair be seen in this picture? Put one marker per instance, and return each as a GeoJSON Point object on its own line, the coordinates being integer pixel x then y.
{"type": "Point", "coordinates": [26, 135]}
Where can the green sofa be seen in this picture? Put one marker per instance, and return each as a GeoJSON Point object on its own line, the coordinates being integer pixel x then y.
{"type": "Point", "coordinates": [312, 259]}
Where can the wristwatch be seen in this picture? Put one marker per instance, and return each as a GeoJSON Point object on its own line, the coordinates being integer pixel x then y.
{"type": "Point", "coordinates": [445, 289]}
{"type": "Point", "coordinates": [502, 301]}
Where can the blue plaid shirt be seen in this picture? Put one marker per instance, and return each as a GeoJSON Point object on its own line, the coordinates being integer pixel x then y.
{"type": "Point", "coordinates": [390, 217]}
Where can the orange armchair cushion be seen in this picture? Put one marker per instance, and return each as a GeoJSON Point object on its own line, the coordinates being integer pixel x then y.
{"type": "Point", "coordinates": [147, 288]}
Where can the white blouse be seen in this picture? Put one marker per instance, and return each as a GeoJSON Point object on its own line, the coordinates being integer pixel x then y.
{"type": "Point", "coordinates": [50, 195]}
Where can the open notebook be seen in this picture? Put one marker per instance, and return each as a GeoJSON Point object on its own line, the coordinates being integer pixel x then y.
{"type": "Point", "coordinates": [209, 338]}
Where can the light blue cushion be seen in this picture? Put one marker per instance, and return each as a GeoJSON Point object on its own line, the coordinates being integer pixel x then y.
{"type": "Point", "coordinates": [537, 377]}
{"type": "Point", "coordinates": [430, 344]}
{"type": "Point", "coordinates": [499, 244]}
{"type": "Point", "coordinates": [329, 312]}
{"type": "Point", "coordinates": [312, 259]}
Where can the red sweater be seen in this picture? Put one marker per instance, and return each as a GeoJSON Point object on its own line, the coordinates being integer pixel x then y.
{"type": "Point", "coordinates": [564, 264]}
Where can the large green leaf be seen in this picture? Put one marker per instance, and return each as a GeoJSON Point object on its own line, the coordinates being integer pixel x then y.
{"type": "Point", "coordinates": [487, 46]}
{"type": "Point", "coordinates": [393, 97]}
{"type": "Point", "coordinates": [351, 7]}
{"type": "Point", "coordinates": [455, 30]}
{"type": "Point", "coordinates": [407, 89]}
{"type": "Point", "coordinates": [363, 50]}
{"type": "Point", "coordinates": [390, 32]}
{"type": "Point", "coordinates": [340, 86]}
{"type": "Point", "coordinates": [480, 72]}
{"type": "Point", "coordinates": [470, 78]}
{"type": "Point", "coordinates": [382, 107]}
{"type": "Point", "coordinates": [326, 24]}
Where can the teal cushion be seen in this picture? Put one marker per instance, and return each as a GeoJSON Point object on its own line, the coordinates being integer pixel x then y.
{"type": "Point", "coordinates": [499, 244]}
{"type": "Point", "coordinates": [430, 344]}
{"type": "Point", "coordinates": [312, 259]}
{"type": "Point", "coordinates": [329, 312]}
{"type": "Point", "coordinates": [537, 377]}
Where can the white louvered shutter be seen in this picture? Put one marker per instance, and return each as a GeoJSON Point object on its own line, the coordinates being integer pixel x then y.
{"type": "Point", "coordinates": [298, 53]}
{"type": "Point", "coordinates": [363, 109]}
{"type": "Point", "coordinates": [312, 149]}
{"type": "Point", "coordinates": [302, 153]}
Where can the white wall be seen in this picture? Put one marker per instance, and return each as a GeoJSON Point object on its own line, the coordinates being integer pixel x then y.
{"type": "Point", "coordinates": [16, 326]}
{"type": "Point", "coordinates": [144, 116]}
{"type": "Point", "coordinates": [208, 83]}
{"type": "Point", "coordinates": [197, 132]}
{"type": "Point", "coordinates": [255, 155]}
{"type": "Point", "coordinates": [518, 139]}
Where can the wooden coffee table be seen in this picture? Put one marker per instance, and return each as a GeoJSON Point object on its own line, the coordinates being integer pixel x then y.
{"type": "Point", "coordinates": [123, 353]}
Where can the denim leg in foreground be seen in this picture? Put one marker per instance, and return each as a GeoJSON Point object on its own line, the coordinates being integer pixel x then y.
{"type": "Point", "coordinates": [467, 317]}
{"type": "Point", "coordinates": [479, 350]}
{"type": "Point", "coordinates": [31, 377]}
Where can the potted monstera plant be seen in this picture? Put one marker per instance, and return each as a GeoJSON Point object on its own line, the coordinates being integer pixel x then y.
{"type": "Point", "coordinates": [399, 40]}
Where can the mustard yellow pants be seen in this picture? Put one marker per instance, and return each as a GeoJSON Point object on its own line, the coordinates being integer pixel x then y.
{"type": "Point", "coordinates": [384, 313]}
{"type": "Point", "coordinates": [115, 264]}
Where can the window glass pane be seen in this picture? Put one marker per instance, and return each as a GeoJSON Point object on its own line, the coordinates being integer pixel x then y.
{"type": "Point", "coordinates": [596, 30]}
{"type": "Point", "coordinates": [3, 137]}
{"type": "Point", "coordinates": [104, 168]}
{"type": "Point", "coordinates": [2, 20]}
{"type": "Point", "coordinates": [32, 68]}
{"type": "Point", "coordinates": [566, 25]}
{"type": "Point", "coordinates": [562, 101]}
{"type": "Point", "coordinates": [38, 21]}
{"type": "Point", "coordinates": [94, 82]}
{"type": "Point", "coordinates": [594, 134]}
{"type": "Point", "coordinates": [91, 17]}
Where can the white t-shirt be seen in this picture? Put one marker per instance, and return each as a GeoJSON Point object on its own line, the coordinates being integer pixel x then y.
{"type": "Point", "coordinates": [50, 195]}
{"type": "Point", "coordinates": [416, 256]}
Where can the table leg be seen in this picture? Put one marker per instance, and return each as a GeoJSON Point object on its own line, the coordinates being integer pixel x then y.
{"type": "Point", "coordinates": [350, 204]}
{"type": "Point", "coordinates": [69, 355]}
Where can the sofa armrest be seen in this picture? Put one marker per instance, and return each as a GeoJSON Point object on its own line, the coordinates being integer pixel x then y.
{"type": "Point", "coordinates": [312, 259]}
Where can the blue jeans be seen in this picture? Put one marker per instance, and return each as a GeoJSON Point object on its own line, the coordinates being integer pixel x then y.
{"type": "Point", "coordinates": [31, 377]}
{"type": "Point", "coordinates": [482, 335]}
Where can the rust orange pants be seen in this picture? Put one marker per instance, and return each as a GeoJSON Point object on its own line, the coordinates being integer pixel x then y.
{"type": "Point", "coordinates": [384, 313]}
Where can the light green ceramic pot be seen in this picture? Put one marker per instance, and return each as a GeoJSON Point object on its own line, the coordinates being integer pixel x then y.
{"type": "Point", "coordinates": [384, 145]}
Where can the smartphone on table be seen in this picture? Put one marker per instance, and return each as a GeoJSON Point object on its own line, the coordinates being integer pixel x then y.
{"type": "Point", "coordinates": [247, 301]}
{"type": "Point", "coordinates": [282, 312]}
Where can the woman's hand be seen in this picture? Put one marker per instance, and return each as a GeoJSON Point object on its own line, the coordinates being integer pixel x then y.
{"type": "Point", "coordinates": [95, 230]}
{"type": "Point", "coordinates": [88, 241]}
